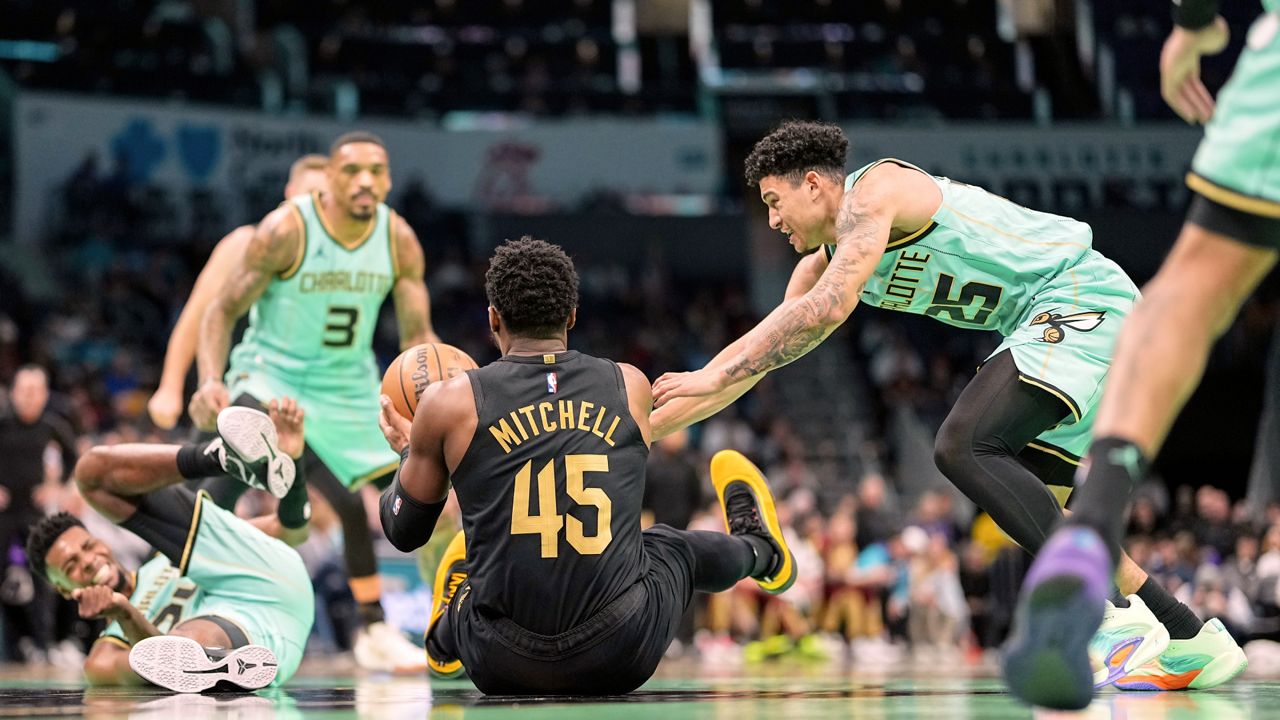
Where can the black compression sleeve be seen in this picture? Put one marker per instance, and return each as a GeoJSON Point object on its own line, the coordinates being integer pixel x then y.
{"type": "Point", "coordinates": [406, 522]}
{"type": "Point", "coordinates": [1194, 14]}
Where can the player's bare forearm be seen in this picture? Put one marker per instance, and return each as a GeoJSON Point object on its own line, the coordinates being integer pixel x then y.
{"type": "Point", "coordinates": [413, 313]}
{"type": "Point", "coordinates": [108, 665]}
{"type": "Point", "coordinates": [862, 231]}
{"type": "Point", "coordinates": [135, 625]}
{"type": "Point", "coordinates": [682, 412]}
{"type": "Point", "coordinates": [272, 250]}
{"type": "Point", "coordinates": [181, 350]}
{"type": "Point", "coordinates": [413, 301]}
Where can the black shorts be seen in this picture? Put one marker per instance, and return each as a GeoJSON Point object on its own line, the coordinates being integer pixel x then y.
{"type": "Point", "coordinates": [613, 652]}
{"type": "Point", "coordinates": [1244, 227]}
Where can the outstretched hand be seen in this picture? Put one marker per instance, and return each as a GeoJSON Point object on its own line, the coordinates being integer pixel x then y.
{"type": "Point", "coordinates": [698, 383]}
{"type": "Point", "coordinates": [395, 427]}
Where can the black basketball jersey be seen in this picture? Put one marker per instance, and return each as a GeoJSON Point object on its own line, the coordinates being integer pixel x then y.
{"type": "Point", "coordinates": [551, 489]}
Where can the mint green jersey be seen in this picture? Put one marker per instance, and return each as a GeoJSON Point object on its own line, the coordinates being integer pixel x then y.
{"type": "Point", "coordinates": [231, 570]}
{"type": "Point", "coordinates": [310, 337]}
{"type": "Point", "coordinates": [978, 263]}
{"type": "Point", "coordinates": [986, 263]}
{"type": "Point", "coordinates": [319, 315]}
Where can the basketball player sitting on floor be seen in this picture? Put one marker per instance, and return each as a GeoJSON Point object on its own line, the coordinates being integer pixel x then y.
{"type": "Point", "coordinates": [222, 602]}
{"type": "Point", "coordinates": [555, 589]}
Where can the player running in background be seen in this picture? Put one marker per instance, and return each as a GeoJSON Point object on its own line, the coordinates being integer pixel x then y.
{"type": "Point", "coordinates": [222, 600]}
{"type": "Point", "coordinates": [306, 175]}
{"type": "Point", "coordinates": [1227, 246]}
{"type": "Point", "coordinates": [893, 236]}
{"type": "Point", "coordinates": [535, 600]}
{"type": "Point", "coordinates": [313, 279]}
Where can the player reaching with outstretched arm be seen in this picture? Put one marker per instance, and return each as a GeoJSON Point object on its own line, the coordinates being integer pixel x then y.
{"type": "Point", "coordinates": [313, 280]}
{"type": "Point", "coordinates": [893, 236]}
{"type": "Point", "coordinates": [1227, 246]}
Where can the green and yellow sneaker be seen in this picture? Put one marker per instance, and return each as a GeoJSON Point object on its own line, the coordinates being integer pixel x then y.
{"type": "Point", "coordinates": [748, 510]}
{"type": "Point", "coordinates": [1207, 660]}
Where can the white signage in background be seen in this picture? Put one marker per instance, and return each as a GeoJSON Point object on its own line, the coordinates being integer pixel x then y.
{"type": "Point", "coordinates": [235, 156]}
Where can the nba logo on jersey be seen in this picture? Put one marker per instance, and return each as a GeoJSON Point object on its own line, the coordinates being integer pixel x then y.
{"type": "Point", "coordinates": [552, 383]}
{"type": "Point", "coordinates": [395, 507]}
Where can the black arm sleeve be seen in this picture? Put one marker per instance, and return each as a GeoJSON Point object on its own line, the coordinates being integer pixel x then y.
{"type": "Point", "coordinates": [65, 437]}
{"type": "Point", "coordinates": [1194, 14]}
{"type": "Point", "coordinates": [407, 523]}
{"type": "Point", "coordinates": [167, 519]}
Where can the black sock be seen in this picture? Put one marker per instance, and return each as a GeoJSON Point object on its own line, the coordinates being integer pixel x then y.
{"type": "Point", "coordinates": [1118, 598]}
{"type": "Point", "coordinates": [1175, 616]}
{"type": "Point", "coordinates": [294, 510]}
{"type": "Point", "coordinates": [765, 555]}
{"type": "Point", "coordinates": [194, 464]}
{"type": "Point", "coordinates": [371, 612]}
{"type": "Point", "coordinates": [1116, 467]}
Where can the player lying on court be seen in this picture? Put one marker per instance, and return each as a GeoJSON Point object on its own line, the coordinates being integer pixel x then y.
{"type": "Point", "coordinates": [552, 587]}
{"type": "Point", "coordinates": [222, 601]}
{"type": "Point", "coordinates": [893, 236]}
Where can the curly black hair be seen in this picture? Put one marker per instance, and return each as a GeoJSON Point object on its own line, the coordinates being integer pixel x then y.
{"type": "Point", "coordinates": [794, 148]}
{"type": "Point", "coordinates": [43, 535]}
{"type": "Point", "coordinates": [533, 286]}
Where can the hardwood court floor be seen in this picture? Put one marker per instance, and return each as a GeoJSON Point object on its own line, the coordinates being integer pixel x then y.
{"type": "Point", "coordinates": [681, 690]}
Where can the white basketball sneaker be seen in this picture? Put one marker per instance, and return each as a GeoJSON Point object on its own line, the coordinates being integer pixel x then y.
{"type": "Point", "coordinates": [182, 665]}
{"type": "Point", "coordinates": [383, 648]}
{"type": "Point", "coordinates": [1128, 639]}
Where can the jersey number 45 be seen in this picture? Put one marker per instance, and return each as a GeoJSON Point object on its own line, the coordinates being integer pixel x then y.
{"type": "Point", "coordinates": [547, 523]}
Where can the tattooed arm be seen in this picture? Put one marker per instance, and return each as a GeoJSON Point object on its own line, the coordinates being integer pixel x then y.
{"type": "Point", "coordinates": [273, 250]}
{"type": "Point", "coordinates": [413, 304]}
{"type": "Point", "coordinates": [867, 213]}
{"type": "Point", "coordinates": [684, 411]}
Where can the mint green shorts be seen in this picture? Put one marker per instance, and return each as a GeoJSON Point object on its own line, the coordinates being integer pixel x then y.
{"type": "Point", "coordinates": [1238, 162]}
{"type": "Point", "coordinates": [341, 420]}
{"type": "Point", "coordinates": [1064, 345]}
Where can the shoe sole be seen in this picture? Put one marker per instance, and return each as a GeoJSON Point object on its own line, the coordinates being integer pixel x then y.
{"type": "Point", "coordinates": [1047, 663]}
{"type": "Point", "coordinates": [1221, 669]}
{"type": "Point", "coordinates": [730, 466]}
{"type": "Point", "coordinates": [1152, 645]}
{"type": "Point", "coordinates": [454, 553]}
{"type": "Point", "coordinates": [180, 664]}
{"type": "Point", "coordinates": [251, 435]}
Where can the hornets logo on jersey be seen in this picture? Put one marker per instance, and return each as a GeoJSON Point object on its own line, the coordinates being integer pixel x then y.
{"type": "Point", "coordinates": [1055, 332]}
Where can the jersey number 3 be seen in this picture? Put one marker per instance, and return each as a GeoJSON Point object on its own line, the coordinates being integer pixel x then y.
{"type": "Point", "coordinates": [547, 522]}
{"type": "Point", "coordinates": [340, 327]}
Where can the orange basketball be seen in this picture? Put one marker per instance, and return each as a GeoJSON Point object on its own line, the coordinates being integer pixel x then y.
{"type": "Point", "coordinates": [418, 367]}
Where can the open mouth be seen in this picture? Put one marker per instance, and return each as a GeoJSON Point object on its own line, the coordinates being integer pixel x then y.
{"type": "Point", "coordinates": [103, 575]}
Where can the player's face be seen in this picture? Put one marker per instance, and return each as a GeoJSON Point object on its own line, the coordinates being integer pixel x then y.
{"type": "Point", "coordinates": [796, 210]}
{"type": "Point", "coordinates": [77, 559]}
{"type": "Point", "coordinates": [359, 178]}
{"type": "Point", "coordinates": [307, 182]}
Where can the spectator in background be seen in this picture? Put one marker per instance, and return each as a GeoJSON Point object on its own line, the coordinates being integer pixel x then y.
{"type": "Point", "coordinates": [672, 489]}
{"type": "Point", "coordinates": [26, 491]}
{"type": "Point", "coordinates": [877, 520]}
{"type": "Point", "coordinates": [1213, 521]}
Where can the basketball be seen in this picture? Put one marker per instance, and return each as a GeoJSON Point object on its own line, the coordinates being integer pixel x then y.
{"type": "Point", "coordinates": [416, 368]}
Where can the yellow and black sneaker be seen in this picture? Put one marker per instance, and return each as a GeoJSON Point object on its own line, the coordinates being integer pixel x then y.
{"type": "Point", "coordinates": [450, 575]}
{"type": "Point", "coordinates": [748, 510]}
